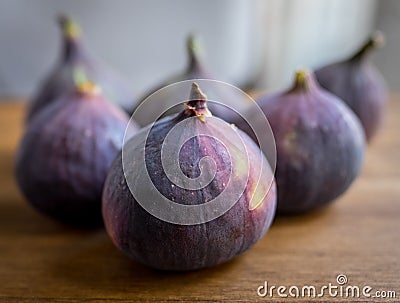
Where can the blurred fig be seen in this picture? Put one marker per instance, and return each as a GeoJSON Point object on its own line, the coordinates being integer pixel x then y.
{"type": "Point", "coordinates": [65, 154]}
{"type": "Point", "coordinates": [76, 57]}
{"type": "Point", "coordinates": [167, 245]}
{"type": "Point", "coordinates": [196, 69]}
{"type": "Point", "coordinates": [358, 82]}
{"type": "Point", "coordinates": [319, 141]}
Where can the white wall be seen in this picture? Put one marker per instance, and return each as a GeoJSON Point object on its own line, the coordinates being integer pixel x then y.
{"type": "Point", "coordinates": [388, 58]}
{"type": "Point", "coordinates": [245, 40]}
{"type": "Point", "coordinates": [308, 33]}
{"type": "Point", "coordinates": [145, 40]}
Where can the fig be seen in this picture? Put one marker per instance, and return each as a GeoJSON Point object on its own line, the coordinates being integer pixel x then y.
{"type": "Point", "coordinates": [76, 57]}
{"type": "Point", "coordinates": [319, 141]}
{"type": "Point", "coordinates": [135, 214]}
{"type": "Point", "coordinates": [196, 69]}
{"type": "Point", "coordinates": [65, 153]}
{"type": "Point", "coordinates": [359, 83]}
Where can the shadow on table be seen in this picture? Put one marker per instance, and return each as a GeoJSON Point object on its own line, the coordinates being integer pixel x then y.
{"type": "Point", "coordinates": [95, 265]}
{"type": "Point", "coordinates": [305, 218]}
{"type": "Point", "coordinates": [18, 218]}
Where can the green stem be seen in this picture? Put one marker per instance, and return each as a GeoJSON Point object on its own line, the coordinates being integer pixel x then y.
{"type": "Point", "coordinates": [376, 40]}
{"type": "Point", "coordinates": [302, 79]}
{"type": "Point", "coordinates": [193, 49]}
{"type": "Point", "coordinates": [83, 85]}
{"type": "Point", "coordinates": [70, 28]}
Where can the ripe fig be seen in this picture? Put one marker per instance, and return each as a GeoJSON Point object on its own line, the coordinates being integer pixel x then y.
{"type": "Point", "coordinates": [358, 82]}
{"type": "Point", "coordinates": [65, 154]}
{"type": "Point", "coordinates": [76, 57]}
{"type": "Point", "coordinates": [319, 141]}
{"type": "Point", "coordinates": [188, 231]}
{"type": "Point", "coordinates": [196, 69]}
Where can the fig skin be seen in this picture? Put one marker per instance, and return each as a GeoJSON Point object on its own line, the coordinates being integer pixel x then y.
{"type": "Point", "coordinates": [76, 58]}
{"type": "Point", "coordinates": [319, 141]}
{"type": "Point", "coordinates": [65, 153]}
{"type": "Point", "coordinates": [196, 69]}
{"type": "Point", "coordinates": [359, 83]}
{"type": "Point", "coordinates": [167, 246]}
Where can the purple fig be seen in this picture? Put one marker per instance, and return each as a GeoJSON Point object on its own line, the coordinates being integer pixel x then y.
{"type": "Point", "coordinates": [76, 57]}
{"type": "Point", "coordinates": [168, 245]}
{"type": "Point", "coordinates": [319, 141]}
{"type": "Point", "coordinates": [65, 154]}
{"type": "Point", "coordinates": [358, 82]}
{"type": "Point", "coordinates": [196, 69]}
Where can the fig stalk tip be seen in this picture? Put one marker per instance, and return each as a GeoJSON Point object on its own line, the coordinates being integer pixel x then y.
{"type": "Point", "coordinates": [69, 27]}
{"type": "Point", "coordinates": [196, 93]}
{"type": "Point", "coordinates": [194, 51]}
{"type": "Point", "coordinates": [301, 79]}
{"type": "Point", "coordinates": [88, 88]}
{"type": "Point", "coordinates": [192, 44]}
{"type": "Point", "coordinates": [376, 40]}
{"type": "Point", "coordinates": [197, 103]}
{"type": "Point", "coordinates": [83, 85]}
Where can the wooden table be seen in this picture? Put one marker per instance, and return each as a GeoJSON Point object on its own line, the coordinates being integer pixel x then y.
{"type": "Point", "coordinates": [359, 236]}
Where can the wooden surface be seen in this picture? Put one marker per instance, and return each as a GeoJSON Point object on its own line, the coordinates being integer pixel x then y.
{"type": "Point", "coordinates": [359, 236]}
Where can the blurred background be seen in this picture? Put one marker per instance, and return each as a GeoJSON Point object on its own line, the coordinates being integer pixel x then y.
{"type": "Point", "coordinates": [246, 42]}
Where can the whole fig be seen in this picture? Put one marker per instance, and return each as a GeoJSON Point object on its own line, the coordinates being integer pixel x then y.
{"type": "Point", "coordinates": [196, 69]}
{"type": "Point", "coordinates": [65, 154]}
{"type": "Point", "coordinates": [358, 82]}
{"type": "Point", "coordinates": [76, 57]}
{"type": "Point", "coordinates": [319, 141]}
{"type": "Point", "coordinates": [139, 228]}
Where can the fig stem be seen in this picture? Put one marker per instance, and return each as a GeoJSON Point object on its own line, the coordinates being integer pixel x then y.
{"type": "Point", "coordinates": [88, 88]}
{"type": "Point", "coordinates": [70, 29]}
{"type": "Point", "coordinates": [193, 48]}
{"type": "Point", "coordinates": [301, 79]}
{"type": "Point", "coordinates": [79, 76]}
{"type": "Point", "coordinates": [83, 85]}
{"type": "Point", "coordinates": [197, 103]}
{"type": "Point", "coordinates": [376, 40]}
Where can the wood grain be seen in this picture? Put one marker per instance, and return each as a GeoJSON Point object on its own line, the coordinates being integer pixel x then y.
{"type": "Point", "coordinates": [359, 235]}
